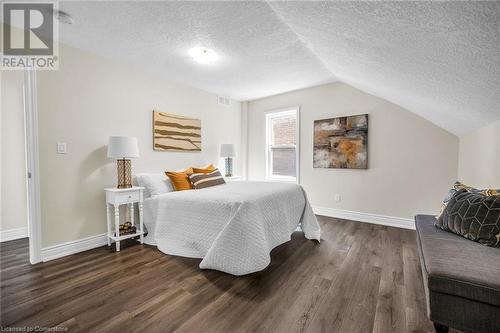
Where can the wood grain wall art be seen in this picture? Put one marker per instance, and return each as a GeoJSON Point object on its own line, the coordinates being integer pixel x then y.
{"type": "Point", "coordinates": [172, 132]}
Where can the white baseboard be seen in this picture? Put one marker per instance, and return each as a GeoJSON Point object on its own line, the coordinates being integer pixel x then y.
{"type": "Point", "coordinates": [65, 249]}
{"type": "Point", "coordinates": [11, 234]}
{"type": "Point", "coordinates": [392, 221]}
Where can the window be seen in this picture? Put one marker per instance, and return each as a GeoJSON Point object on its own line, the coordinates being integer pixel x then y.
{"type": "Point", "coordinates": [282, 149]}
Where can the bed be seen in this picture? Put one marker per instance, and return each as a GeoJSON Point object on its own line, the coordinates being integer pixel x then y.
{"type": "Point", "coordinates": [232, 227]}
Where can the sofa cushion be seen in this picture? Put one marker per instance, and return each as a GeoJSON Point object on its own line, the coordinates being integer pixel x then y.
{"type": "Point", "coordinates": [456, 266]}
{"type": "Point", "coordinates": [474, 216]}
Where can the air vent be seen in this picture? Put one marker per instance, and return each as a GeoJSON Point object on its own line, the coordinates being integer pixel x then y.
{"type": "Point", "coordinates": [223, 100]}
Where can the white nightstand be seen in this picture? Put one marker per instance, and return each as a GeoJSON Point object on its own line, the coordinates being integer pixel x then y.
{"type": "Point", "coordinates": [123, 196]}
{"type": "Point", "coordinates": [233, 179]}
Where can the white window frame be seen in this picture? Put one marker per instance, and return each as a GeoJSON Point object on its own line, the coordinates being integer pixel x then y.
{"type": "Point", "coordinates": [275, 114]}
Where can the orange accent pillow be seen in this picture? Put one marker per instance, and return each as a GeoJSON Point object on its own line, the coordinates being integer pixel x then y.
{"type": "Point", "coordinates": [180, 179]}
{"type": "Point", "coordinates": [209, 168]}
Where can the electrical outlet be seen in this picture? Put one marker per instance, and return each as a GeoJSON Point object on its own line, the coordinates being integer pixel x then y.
{"type": "Point", "coordinates": [337, 197]}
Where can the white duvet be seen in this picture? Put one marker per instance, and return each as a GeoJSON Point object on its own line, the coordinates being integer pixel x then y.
{"type": "Point", "coordinates": [233, 227]}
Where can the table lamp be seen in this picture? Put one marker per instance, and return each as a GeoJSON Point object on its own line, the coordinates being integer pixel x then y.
{"type": "Point", "coordinates": [227, 151]}
{"type": "Point", "coordinates": [123, 148]}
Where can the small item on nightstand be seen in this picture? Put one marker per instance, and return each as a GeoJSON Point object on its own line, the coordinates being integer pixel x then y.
{"type": "Point", "coordinates": [127, 228]}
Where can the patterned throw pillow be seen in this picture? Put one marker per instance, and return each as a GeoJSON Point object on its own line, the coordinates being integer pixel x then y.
{"type": "Point", "coordinates": [202, 180]}
{"type": "Point", "coordinates": [474, 216]}
{"type": "Point", "coordinates": [461, 186]}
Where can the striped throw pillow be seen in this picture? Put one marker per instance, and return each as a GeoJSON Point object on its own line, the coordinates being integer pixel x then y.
{"type": "Point", "coordinates": [202, 180]}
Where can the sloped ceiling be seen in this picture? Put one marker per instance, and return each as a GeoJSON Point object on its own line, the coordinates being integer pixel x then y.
{"type": "Point", "coordinates": [440, 60]}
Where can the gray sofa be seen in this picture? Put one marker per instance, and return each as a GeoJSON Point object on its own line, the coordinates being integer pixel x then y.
{"type": "Point", "coordinates": [461, 279]}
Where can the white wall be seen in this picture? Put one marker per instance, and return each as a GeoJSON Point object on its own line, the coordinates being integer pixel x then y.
{"type": "Point", "coordinates": [479, 157]}
{"type": "Point", "coordinates": [412, 163]}
{"type": "Point", "coordinates": [244, 140]}
{"type": "Point", "coordinates": [90, 98]}
{"type": "Point", "coordinates": [13, 167]}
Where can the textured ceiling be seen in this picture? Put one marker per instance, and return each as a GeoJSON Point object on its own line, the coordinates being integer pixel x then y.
{"type": "Point", "coordinates": [440, 60]}
{"type": "Point", "coordinates": [259, 55]}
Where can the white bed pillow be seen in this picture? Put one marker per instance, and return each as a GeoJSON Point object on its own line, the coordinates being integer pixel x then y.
{"type": "Point", "coordinates": [154, 183]}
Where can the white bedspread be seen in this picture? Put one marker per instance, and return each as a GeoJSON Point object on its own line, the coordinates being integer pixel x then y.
{"type": "Point", "coordinates": [233, 227]}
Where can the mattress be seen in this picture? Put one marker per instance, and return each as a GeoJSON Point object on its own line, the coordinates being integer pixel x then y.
{"type": "Point", "coordinates": [233, 227]}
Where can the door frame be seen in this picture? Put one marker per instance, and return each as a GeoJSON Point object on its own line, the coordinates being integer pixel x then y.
{"type": "Point", "coordinates": [32, 165]}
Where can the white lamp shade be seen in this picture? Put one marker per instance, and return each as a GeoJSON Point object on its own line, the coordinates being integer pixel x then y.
{"type": "Point", "coordinates": [123, 147]}
{"type": "Point", "coordinates": [226, 150]}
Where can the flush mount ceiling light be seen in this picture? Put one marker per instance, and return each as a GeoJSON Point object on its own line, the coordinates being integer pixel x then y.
{"type": "Point", "coordinates": [203, 55]}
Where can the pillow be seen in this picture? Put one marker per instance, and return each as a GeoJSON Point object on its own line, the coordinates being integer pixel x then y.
{"type": "Point", "coordinates": [474, 216]}
{"type": "Point", "coordinates": [202, 180]}
{"type": "Point", "coordinates": [207, 169]}
{"type": "Point", "coordinates": [459, 186]}
{"type": "Point", "coordinates": [180, 179]}
{"type": "Point", "coordinates": [154, 183]}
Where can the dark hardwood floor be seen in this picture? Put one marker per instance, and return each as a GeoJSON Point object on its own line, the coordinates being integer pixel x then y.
{"type": "Point", "coordinates": [361, 278]}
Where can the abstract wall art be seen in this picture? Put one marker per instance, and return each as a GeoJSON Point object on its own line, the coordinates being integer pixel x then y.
{"type": "Point", "coordinates": [341, 142]}
{"type": "Point", "coordinates": [172, 132]}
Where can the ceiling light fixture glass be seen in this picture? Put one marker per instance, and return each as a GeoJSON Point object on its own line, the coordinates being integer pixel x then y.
{"type": "Point", "coordinates": [203, 55]}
